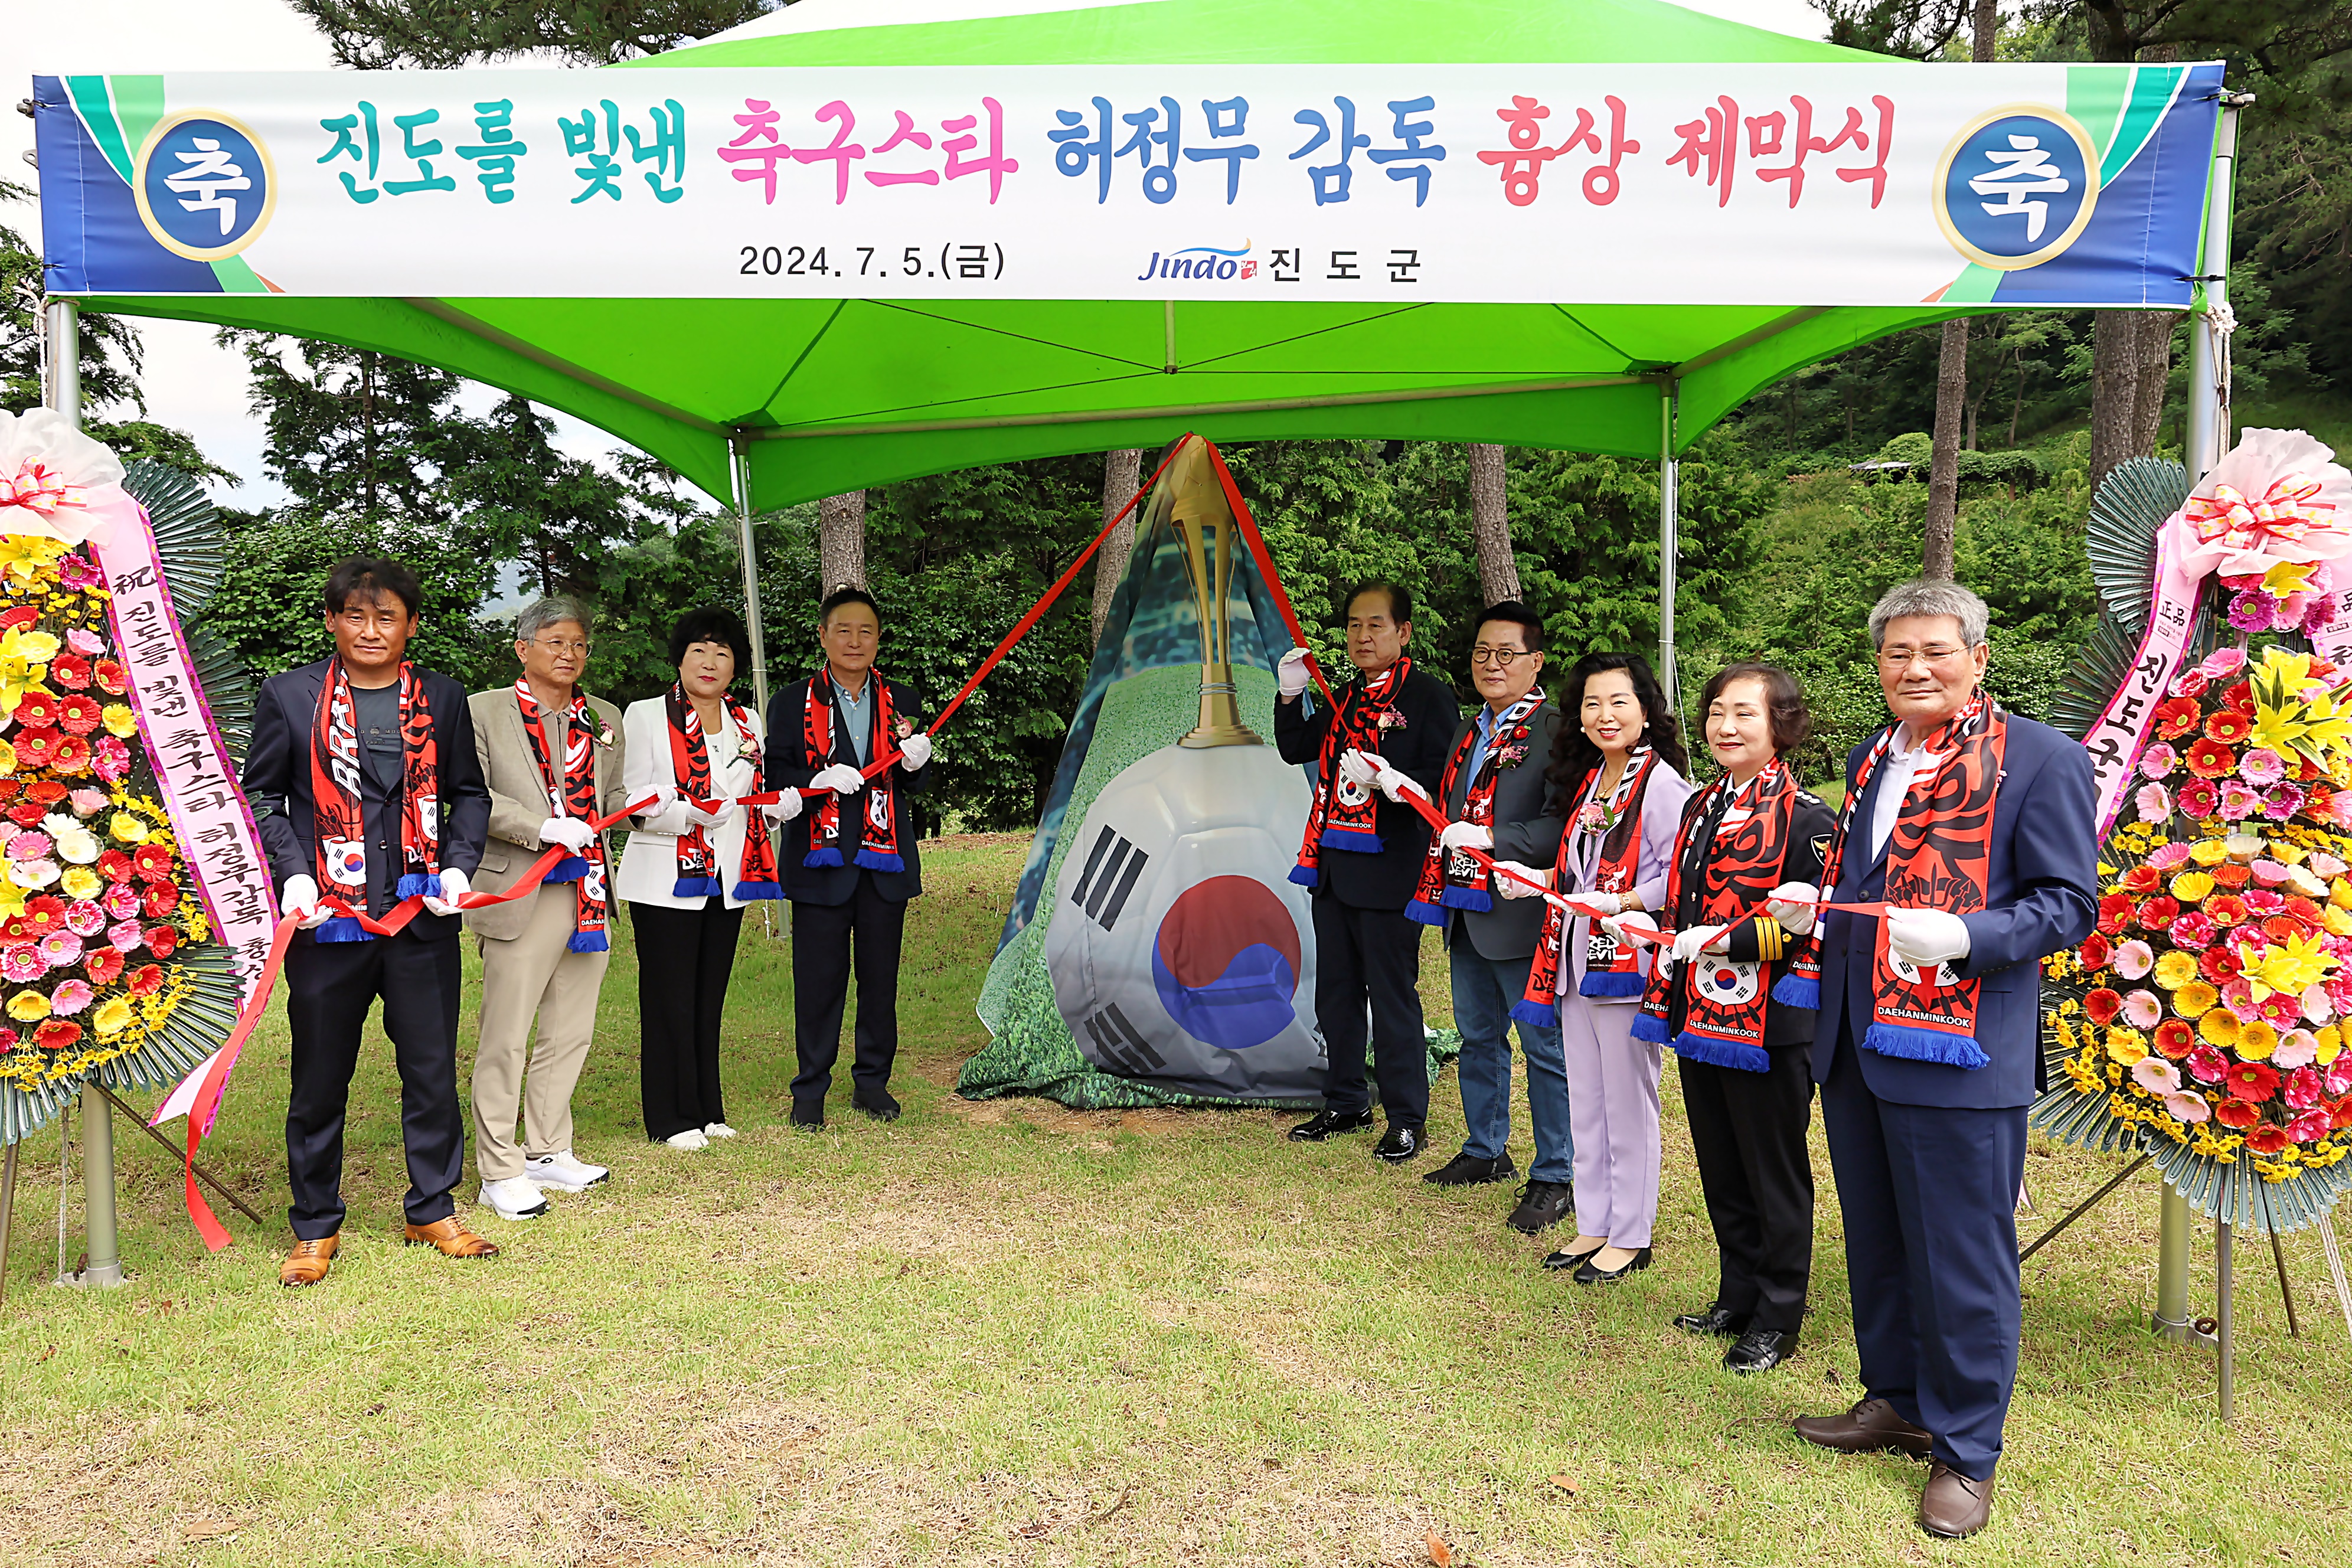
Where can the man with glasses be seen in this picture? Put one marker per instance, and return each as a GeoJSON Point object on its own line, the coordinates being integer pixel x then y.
{"type": "Point", "coordinates": [1974, 828]}
{"type": "Point", "coordinates": [552, 756]}
{"type": "Point", "coordinates": [1494, 792]}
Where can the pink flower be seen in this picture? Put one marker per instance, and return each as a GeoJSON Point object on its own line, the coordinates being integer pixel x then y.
{"type": "Point", "coordinates": [2165, 857]}
{"type": "Point", "coordinates": [2197, 798]}
{"type": "Point", "coordinates": [123, 935]}
{"type": "Point", "coordinates": [23, 964]}
{"type": "Point", "coordinates": [2206, 1065]}
{"type": "Point", "coordinates": [2340, 1075]}
{"type": "Point", "coordinates": [87, 802]}
{"type": "Point", "coordinates": [2318, 1006]}
{"type": "Point", "coordinates": [2157, 1076]}
{"type": "Point", "coordinates": [2261, 767]}
{"type": "Point", "coordinates": [71, 996]}
{"type": "Point", "coordinates": [2339, 808]}
{"type": "Point", "coordinates": [60, 950]}
{"type": "Point", "coordinates": [121, 900]}
{"type": "Point", "coordinates": [2133, 959]}
{"type": "Point", "coordinates": [2269, 874]}
{"type": "Point", "coordinates": [2280, 1010]}
{"type": "Point", "coordinates": [2308, 1128]}
{"type": "Point", "coordinates": [2188, 1107]}
{"type": "Point", "coordinates": [2238, 802]}
{"type": "Point", "coordinates": [28, 846]}
{"type": "Point", "coordinates": [2320, 613]}
{"type": "Point", "coordinates": [2326, 867]}
{"type": "Point", "coordinates": [2297, 1047]}
{"type": "Point", "coordinates": [2193, 931]}
{"type": "Point", "coordinates": [2222, 663]}
{"type": "Point", "coordinates": [84, 918]}
{"type": "Point", "coordinates": [2190, 683]}
{"type": "Point", "coordinates": [2158, 761]}
{"type": "Point", "coordinates": [2283, 801]}
{"type": "Point", "coordinates": [112, 757]}
{"type": "Point", "coordinates": [2154, 803]}
{"type": "Point", "coordinates": [2142, 1010]}
{"type": "Point", "coordinates": [2301, 1089]}
{"type": "Point", "coordinates": [76, 571]}
{"type": "Point", "coordinates": [83, 641]}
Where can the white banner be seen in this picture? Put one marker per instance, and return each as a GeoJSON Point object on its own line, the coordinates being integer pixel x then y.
{"type": "Point", "coordinates": [1797, 184]}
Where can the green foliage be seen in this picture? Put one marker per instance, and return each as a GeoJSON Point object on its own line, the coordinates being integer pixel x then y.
{"type": "Point", "coordinates": [444, 34]}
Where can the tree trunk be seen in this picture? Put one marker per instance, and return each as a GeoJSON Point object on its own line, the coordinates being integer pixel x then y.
{"type": "Point", "coordinates": [2115, 390]}
{"type": "Point", "coordinates": [2154, 368]}
{"type": "Point", "coordinates": [1490, 525]}
{"type": "Point", "coordinates": [840, 542]}
{"type": "Point", "coordinates": [1120, 472]}
{"type": "Point", "coordinates": [2017, 408]}
{"type": "Point", "coordinates": [1944, 467]}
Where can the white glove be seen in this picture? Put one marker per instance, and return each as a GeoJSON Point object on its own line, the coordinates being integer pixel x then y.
{"type": "Point", "coordinates": [917, 749]}
{"type": "Point", "coordinates": [788, 806]}
{"type": "Point", "coordinates": [665, 796]}
{"type": "Point", "coordinates": [1511, 889]}
{"type": "Point", "coordinates": [1926, 938]}
{"type": "Point", "coordinates": [840, 778]}
{"type": "Point", "coordinates": [1791, 904]}
{"type": "Point", "coordinates": [453, 886]}
{"type": "Point", "coordinates": [1358, 769]}
{"type": "Point", "coordinates": [1690, 943]}
{"type": "Point", "coordinates": [1633, 919]}
{"type": "Point", "coordinates": [568, 831]}
{"type": "Point", "coordinates": [1290, 674]}
{"type": "Point", "coordinates": [722, 809]}
{"type": "Point", "coordinates": [1607, 903]}
{"type": "Point", "coordinates": [301, 899]}
{"type": "Point", "coordinates": [1476, 835]}
{"type": "Point", "coordinates": [1394, 782]}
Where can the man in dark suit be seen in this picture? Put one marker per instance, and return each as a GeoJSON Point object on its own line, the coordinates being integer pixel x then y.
{"type": "Point", "coordinates": [1976, 828]}
{"type": "Point", "coordinates": [1390, 734]}
{"type": "Point", "coordinates": [364, 782]}
{"type": "Point", "coordinates": [1496, 804]}
{"type": "Point", "coordinates": [851, 860]}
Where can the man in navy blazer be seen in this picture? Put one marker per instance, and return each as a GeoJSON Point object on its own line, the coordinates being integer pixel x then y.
{"type": "Point", "coordinates": [1929, 1153]}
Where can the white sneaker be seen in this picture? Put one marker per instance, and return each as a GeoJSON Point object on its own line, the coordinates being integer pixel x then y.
{"type": "Point", "coordinates": [514, 1198]}
{"type": "Point", "coordinates": [559, 1172]}
{"type": "Point", "coordinates": [692, 1138]}
{"type": "Point", "coordinates": [719, 1130]}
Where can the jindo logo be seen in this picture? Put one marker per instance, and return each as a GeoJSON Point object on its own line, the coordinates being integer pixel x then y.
{"type": "Point", "coordinates": [205, 186]}
{"type": "Point", "coordinates": [1200, 261]}
{"type": "Point", "coordinates": [2017, 186]}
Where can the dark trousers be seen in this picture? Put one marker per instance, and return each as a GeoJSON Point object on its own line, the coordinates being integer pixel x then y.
{"type": "Point", "coordinates": [1371, 956]}
{"type": "Point", "coordinates": [329, 987]}
{"type": "Point", "coordinates": [866, 929]}
{"type": "Point", "coordinates": [684, 959]}
{"type": "Point", "coordinates": [1929, 1195]}
{"type": "Point", "coordinates": [1749, 1132]}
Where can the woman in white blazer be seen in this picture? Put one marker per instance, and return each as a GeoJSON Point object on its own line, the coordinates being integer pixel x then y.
{"type": "Point", "coordinates": [690, 870]}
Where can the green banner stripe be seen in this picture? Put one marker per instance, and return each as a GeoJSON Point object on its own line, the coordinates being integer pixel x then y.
{"type": "Point", "coordinates": [91, 101]}
{"type": "Point", "coordinates": [1974, 285]}
{"type": "Point", "coordinates": [2153, 90]}
{"type": "Point", "coordinates": [2096, 96]}
{"type": "Point", "coordinates": [237, 277]}
{"type": "Point", "coordinates": [138, 105]}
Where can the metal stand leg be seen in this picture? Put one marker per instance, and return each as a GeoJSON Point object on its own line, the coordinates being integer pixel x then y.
{"type": "Point", "coordinates": [2079, 1210]}
{"type": "Point", "coordinates": [2335, 1270]}
{"type": "Point", "coordinates": [102, 1259]}
{"type": "Point", "coordinates": [202, 1175]}
{"type": "Point", "coordinates": [7, 1212]}
{"type": "Point", "coordinates": [2171, 1318]}
{"type": "Point", "coordinates": [2222, 1291]}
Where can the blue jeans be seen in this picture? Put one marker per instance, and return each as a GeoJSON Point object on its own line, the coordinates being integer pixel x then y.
{"type": "Point", "coordinates": [1484, 991]}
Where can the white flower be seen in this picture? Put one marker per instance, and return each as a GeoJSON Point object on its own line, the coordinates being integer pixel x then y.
{"type": "Point", "coordinates": [34, 873]}
{"type": "Point", "coordinates": [67, 487]}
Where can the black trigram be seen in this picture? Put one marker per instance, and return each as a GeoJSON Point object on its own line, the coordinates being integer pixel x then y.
{"type": "Point", "coordinates": [1120, 1045]}
{"type": "Point", "coordinates": [1104, 885]}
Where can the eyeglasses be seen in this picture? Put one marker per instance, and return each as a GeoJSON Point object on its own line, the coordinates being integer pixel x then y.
{"type": "Point", "coordinates": [1503, 656]}
{"type": "Point", "coordinates": [1933, 656]}
{"type": "Point", "coordinates": [576, 650]}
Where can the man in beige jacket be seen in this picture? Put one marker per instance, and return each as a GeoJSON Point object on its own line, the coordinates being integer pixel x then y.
{"type": "Point", "coordinates": [552, 756]}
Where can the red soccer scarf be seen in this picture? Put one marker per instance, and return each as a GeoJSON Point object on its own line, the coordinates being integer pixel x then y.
{"type": "Point", "coordinates": [574, 795]}
{"type": "Point", "coordinates": [1939, 856]}
{"type": "Point", "coordinates": [1725, 1002]}
{"type": "Point", "coordinates": [340, 828]}
{"type": "Point", "coordinates": [1450, 880]}
{"type": "Point", "coordinates": [698, 862]}
{"type": "Point", "coordinates": [877, 845]}
{"type": "Point", "coordinates": [1611, 968]}
{"type": "Point", "coordinates": [1345, 814]}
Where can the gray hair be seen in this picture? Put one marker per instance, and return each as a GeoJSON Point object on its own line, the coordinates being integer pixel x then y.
{"type": "Point", "coordinates": [1929, 596]}
{"type": "Point", "coordinates": [552, 611]}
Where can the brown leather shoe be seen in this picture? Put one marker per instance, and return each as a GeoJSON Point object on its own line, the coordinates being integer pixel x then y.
{"type": "Point", "coordinates": [1954, 1505]}
{"type": "Point", "coordinates": [1871, 1426]}
{"type": "Point", "coordinates": [308, 1262]}
{"type": "Point", "coordinates": [451, 1239]}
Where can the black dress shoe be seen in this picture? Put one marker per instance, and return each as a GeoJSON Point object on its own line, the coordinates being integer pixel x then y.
{"type": "Point", "coordinates": [1402, 1141]}
{"type": "Point", "coordinates": [1760, 1350]}
{"type": "Point", "coordinates": [1717, 1320]}
{"type": "Point", "coordinates": [877, 1103]}
{"type": "Point", "coordinates": [811, 1115]}
{"type": "Point", "coordinates": [1589, 1275]}
{"type": "Point", "coordinates": [1326, 1123]}
{"type": "Point", "coordinates": [1570, 1260]}
{"type": "Point", "coordinates": [1542, 1205]}
{"type": "Point", "coordinates": [1469, 1171]}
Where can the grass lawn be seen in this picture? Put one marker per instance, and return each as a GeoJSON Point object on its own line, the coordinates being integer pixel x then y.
{"type": "Point", "coordinates": [1006, 1332]}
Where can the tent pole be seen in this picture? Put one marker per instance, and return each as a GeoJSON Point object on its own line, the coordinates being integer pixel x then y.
{"type": "Point", "coordinates": [1669, 481]}
{"type": "Point", "coordinates": [103, 1268]}
{"type": "Point", "coordinates": [2208, 336]}
{"type": "Point", "coordinates": [740, 464]}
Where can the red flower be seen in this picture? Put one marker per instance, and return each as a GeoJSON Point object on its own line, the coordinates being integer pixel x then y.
{"type": "Point", "coordinates": [2280, 927]}
{"type": "Point", "coordinates": [2176, 716]}
{"type": "Point", "coordinates": [77, 714]}
{"type": "Point", "coordinates": [2210, 759]}
{"type": "Point", "coordinates": [2158, 912]}
{"type": "Point", "coordinates": [2175, 1039]}
{"type": "Point", "coordinates": [57, 1035]}
{"type": "Point", "coordinates": [2095, 951]}
{"type": "Point", "coordinates": [37, 712]}
{"type": "Point", "coordinates": [2340, 1112]}
{"type": "Point", "coordinates": [2253, 1082]}
{"type": "Point", "coordinates": [2102, 1005]}
{"type": "Point", "coordinates": [2267, 1139]}
{"type": "Point", "coordinates": [25, 814]}
{"type": "Point", "coordinates": [15, 931]}
{"type": "Point", "coordinates": [7, 1041]}
{"type": "Point", "coordinates": [114, 865]}
{"type": "Point", "coordinates": [2236, 1113]}
{"type": "Point", "coordinates": [2302, 1088]}
{"type": "Point", "coordinates": [2218, 963]}
{"type": "Point", "coordinates": [71, 757]}
{"type": "Point", "coordinates": [2116, 911]}
{"type": "Point", "coordinates": [110, 677]}
{"type": "Point", "coordinates": [18, 617]}
{"type": "Point", "coordinates": [161, 940]}
{"type": "Point", "coordinates": [152, 862]}
{"type": "Point", "coordinates": [34, 748]}
{"type": "Point", "coordinates": [2239, 697]}
{"type": "Point", "coordinates": [2229, 874]}
{"type": "Point", "coordinates": [102, 966]}
{"type": "Point", "coordinates": [2308, 1128]}
{"type": "Point", "coordinates": [69, 671]}
{"type": "Point", "coordinates": [2228, 726]}
{"type": "Point", "coordinates": [2142, 879]}
{"type": "Point", "coordinates": [145, 979]}
{"type": "Point", "coordinates": [44, 914]}
{"type": "Point", "coordinates": [160, 900]}
{"type": "Point", "coordinates": [46, 792]}
{"type": "Point", "coordinates": [2225, 908]}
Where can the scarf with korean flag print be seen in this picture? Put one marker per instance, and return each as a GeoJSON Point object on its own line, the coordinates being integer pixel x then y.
{"type": "Point", "coordinates": [697, 859]}
{"type": "Point", "coordinates": [572, 793]}
{"type": "Point", "coordinates": [340, 825]}
{"type": "Point", "coordinates": [1611, 968]}
{"type": "Point", "coordinates": [1346, 815]}
{"type": "Point", "coordinates": [1450, 880]}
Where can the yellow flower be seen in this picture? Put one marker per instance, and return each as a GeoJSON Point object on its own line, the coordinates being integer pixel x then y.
{"type": "Point", "coordinates": [112, 1017]}
{"type": "Point", "coordinates": [2293, 967]}
{"type": "Point", "coordinates": [28, 1006]}
{"type": "Point", "coordinates": [81, 882]}
{"type": "Point", "coordinates": [2194, 1000]}
{"type": "Point", "coordinates": [2331, 1043]}
{"type": "Point", "coordinates": [2209, 852]}
{"type": "Point", "coordinates": [2127, 1046]}
{"type": "Point", "coordinates": [2220, 1027]}
{"type": "Point", "coordinates": [2174, 970]}
{"type": "Point", "coordinates": [2288, 577]}
{"type": "Point", "coordinates": [2256, 1040]}
{"type": "Point", "coordinates": [2191, 886]}
{"type": "Point", "coordinates": [127, 828]}
{"type": "Point", "coordinates": [119, 720]}
{"type": "Point", "coordinates": [24, 661]}
{"type": "Point", "coordinates": [25, 556]}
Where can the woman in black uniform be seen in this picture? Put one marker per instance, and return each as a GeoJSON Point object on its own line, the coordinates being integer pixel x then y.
{"type": "Point", "coordinates": [1738, 1005]}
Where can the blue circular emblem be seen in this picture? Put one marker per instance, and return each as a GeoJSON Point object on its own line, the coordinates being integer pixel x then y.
{"type": "Point", "coordinates": [2017, 186]}
{"type": "Point", "coordinates": [205, 186]}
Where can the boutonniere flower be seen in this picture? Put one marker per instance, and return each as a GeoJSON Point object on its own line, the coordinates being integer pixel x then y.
{"type": "Point", "coordinates": [1390, 719]}
{"type": "Point", "coordinates": [1596, 817]}
{"type": "Point", "coordinates": [1512, 756]}
{"type": "Point", "coordinates": [605, 736]}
